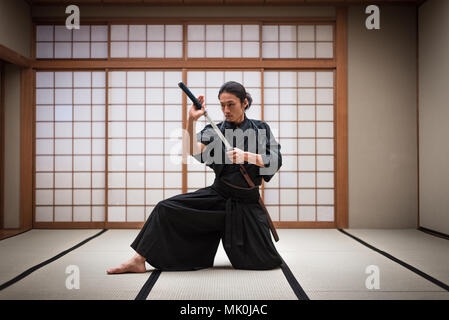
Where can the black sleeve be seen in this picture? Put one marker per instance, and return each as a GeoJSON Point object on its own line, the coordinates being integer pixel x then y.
{"type": "Point", "coordinates": [205, 136]}
{"type": "Point", "coordinates": [272, 157]}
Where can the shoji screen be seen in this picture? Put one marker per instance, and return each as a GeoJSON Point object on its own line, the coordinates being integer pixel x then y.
{"type": "Point", "coordinates": [58, 42]}
{"type": "Point", "coordinates": [144, 142]}
{"type": "Point", "coordinates": [70, 146]}
{"type": "Point", "coordinates": [298, 41]}
{"type": "Point", "coordinates": [223, 41]}
{"type": "Point", "coordinates": [299, 107]}
{"type": "Point", "coordinates": [208, 83]}
{"type": "Point", "coordinates": [146, 41]}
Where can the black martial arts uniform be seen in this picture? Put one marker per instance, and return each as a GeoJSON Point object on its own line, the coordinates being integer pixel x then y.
{"type": "Point", "coordinates": [183, 232]}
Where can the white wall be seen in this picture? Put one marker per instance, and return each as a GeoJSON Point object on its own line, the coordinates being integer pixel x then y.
{"type": "Point", "coordinates": [382, 126]}
{"type": "Point", "coordinates": [434, 115]}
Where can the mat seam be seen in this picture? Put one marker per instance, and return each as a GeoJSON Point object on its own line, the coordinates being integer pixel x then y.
{"type": "Point", "coordinates": [293, 282]}
{"type": "Point", "coordinates": [146, 289]}
{"type": "Point", "coordinates": [399, 261]}
{"type": "Point", "coordinates": [29, 271]}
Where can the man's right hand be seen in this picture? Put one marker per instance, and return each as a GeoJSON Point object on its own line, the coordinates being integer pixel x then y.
{"type": "Point", "coordinates": [196, 114]}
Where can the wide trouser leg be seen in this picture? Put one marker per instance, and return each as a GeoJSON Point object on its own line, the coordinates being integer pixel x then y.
{"type": "Point", "coordinates": [257, 252]}
{"type": "Point", "coordinates": [183, 232]}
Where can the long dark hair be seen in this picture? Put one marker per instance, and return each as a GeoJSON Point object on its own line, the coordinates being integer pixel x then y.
{"type": "Point", "coordinates": [238, 90]}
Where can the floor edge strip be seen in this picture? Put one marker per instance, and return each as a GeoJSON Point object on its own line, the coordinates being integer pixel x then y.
{"type": "Point", "coordinates": [294, 284]}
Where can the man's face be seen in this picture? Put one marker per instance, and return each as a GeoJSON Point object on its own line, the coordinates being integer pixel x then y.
{"type": "Point", "coordinates": [231, 106]}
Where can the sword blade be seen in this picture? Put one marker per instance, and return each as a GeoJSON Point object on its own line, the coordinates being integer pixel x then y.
{"type": "Point", "coordinates": [218, 132]}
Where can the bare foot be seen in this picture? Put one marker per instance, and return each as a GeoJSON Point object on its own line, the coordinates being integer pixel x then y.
{"type": "Point", "coordinates": [134, 265]}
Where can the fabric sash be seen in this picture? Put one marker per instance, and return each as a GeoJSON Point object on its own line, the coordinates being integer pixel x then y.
{"type": "Point", "coordinates": [235, 195]}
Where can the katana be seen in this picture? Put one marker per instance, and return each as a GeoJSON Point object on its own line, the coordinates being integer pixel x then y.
{"type": "Point", "coordinates": [198, 106]}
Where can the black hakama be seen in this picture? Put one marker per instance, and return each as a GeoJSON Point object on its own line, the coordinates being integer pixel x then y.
{"type": "Point", "coordinates": [183, 232]}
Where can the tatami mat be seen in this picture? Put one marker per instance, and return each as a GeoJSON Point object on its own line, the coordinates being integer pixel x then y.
{"type": "Point", "coordinates": [222, 282]}
{"type": "Point", "coordinates": [330, 265]}
{"type": "Point", "coordinates": [428, 253]}
{"type": "Point", "coordinates": [92, 259]}
{"type": "Point", "coordinates": [326, 263]}
{"type": "Point", "coordinates": [28, 249]}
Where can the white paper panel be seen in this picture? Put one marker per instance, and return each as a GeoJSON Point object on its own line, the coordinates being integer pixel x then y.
{"type": "Point", "coordinates": [288, 213]}
{"type": "Point", "coordinates": [81, 163]}
{"type": "Point", "coordinates": [325, 163]}
{"type": "Point", "coordinates": [116, 214]}
{"type": "Point", "coordinates": [119, 49]}
{"type": "Point", "coordinates": [44, 180]}
{"type": "Point", "coordinates": [173, 33]}
{"type": "Point", "coordinates": [98, 214]}
{"type": "Point", "coordinates": [44, 214]}
{"type": "Point", "coordinates": [99, 33]}
{"type": "Point", "coordinates": [81, 50]}
{"type": "Point", "coordinates": [44, 33]}
{"type": "Point", "coordinates": [325, 179]}
{"type": "Point", "coordinates": [287, 50]}
{"type": "Point", "coordinates": [119, 32]}
{"type": "Point", "coordinates": [325, 146]}
{"type": "Point", "coordinates": [270, 33]}
{"type": "Point", "coordinates": [306, 213]}
{"type": "Point", "coordinates": [288, 180]}
{"type": "Point", "coordinates": [270, 50]}
{"type": "Point", "coordinates": [44, 197]}
{"type": "Point", "coordinates": [63, 214]}
{"type": "Point", "coordinates": [306, 163]}
{"type": "Point", "coordinates": [306, 180]}
{"type": "Point", "coordinates": [306, 50]}
{"type": "Point", "coordinates": [116, 180]}
{"type": "Point", "coordinates": [44, 50]}
{"type": "Point", "coordinates": [135, 214]}
{"type": "Point", "coordinates": [306, 196]}
{"type": "Point", "coordinates": [196, 32]}
{"type": "Point", "coordinates": [250, 32]}
{"type": "Point", "coordinates": [135, 197]}
{"type": "Point", "coordinates": [137, 49]}
{"type": "Point", "coordinates": [306, 146]}
{"type": "Point", "coordinates": [99, 50]}
{"type": "Point", "coordinates": [44, 79]}
{"type": "Point", "coordinates": [63, 163]}
{"type": "Point", "coordinates": [137, 32]}
{"type": "Point", "coordinates": [306, 33]}
{"type": "Point", "coordinates": [325, 213]}
{"type": "Point", "coordinates": [271, 196]}
{"type": "Point", "coordinates": [232, 32]}
{"type": "Point", "coordinates": [98, 197]}
{"type": "Point", "coordinates": [63, 50]}
{"type": "Point", "coordinates": [63, 197]}
{"type": "Point", "coordinates": [274, 212]}
{"type": "Point", "coordinates": [116, 197]}
{"type": "Point", "coordinates": [154, 196]}
{"type": "Point", "coordinates": [155, 32]}
{"type": "Point", "coordinates": [81, 197]}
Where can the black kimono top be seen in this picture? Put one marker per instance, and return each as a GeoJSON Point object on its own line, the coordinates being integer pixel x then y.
{"type": "Point", "coordinates": [265, 144]}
